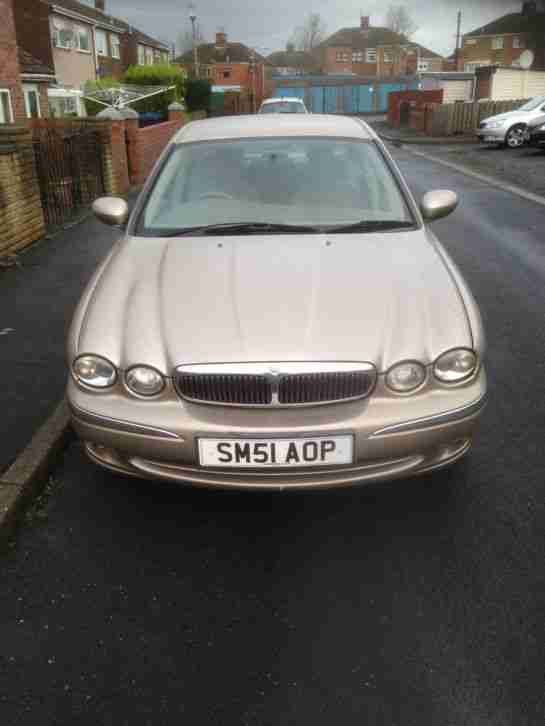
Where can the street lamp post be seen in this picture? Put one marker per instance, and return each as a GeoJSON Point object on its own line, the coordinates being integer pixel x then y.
{"type": "Point", "coordinates": [193, 19]}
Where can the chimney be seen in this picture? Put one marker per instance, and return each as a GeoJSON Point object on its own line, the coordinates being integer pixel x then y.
{"type": "Point", "coordinates": [364, 22]}
{"type": "Point", "coordinates": [100, 5]}
{"type": "Point", "coordinates": [221, 40]}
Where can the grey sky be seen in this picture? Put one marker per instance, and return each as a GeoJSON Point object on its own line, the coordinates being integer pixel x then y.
{"type": "Point", "coordinates": [267, 24]}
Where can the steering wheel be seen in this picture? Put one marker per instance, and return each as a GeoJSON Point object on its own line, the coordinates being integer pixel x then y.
{"type": "Point", "coordinates": [216, 195]}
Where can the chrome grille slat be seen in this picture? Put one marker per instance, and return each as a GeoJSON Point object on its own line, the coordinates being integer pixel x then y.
{"type": "Point", "coordinates": [277, 384]}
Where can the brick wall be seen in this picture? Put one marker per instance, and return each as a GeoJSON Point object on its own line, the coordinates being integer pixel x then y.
{"type": "Point", "coordinates": [480, 49]}
{"type": "Point", "coordinates": [146, 145]}
{"type": "Point", "coordinates": [417, 99]}
{"type": "Point", "coordinates": [33, 30]}
{"type": "Point", "coordinates": [10, 73]}
{"type": "Point", "coordinates": [21, 217]}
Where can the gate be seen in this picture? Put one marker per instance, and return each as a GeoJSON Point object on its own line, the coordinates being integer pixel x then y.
{"type": "Point", "coordinates": [69, 169]}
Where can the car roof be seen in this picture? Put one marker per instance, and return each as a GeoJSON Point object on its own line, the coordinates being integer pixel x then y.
{"type": "Point", "coordinates": [283, 99]}
{"type": "Point", "coordinates": [272, 125]}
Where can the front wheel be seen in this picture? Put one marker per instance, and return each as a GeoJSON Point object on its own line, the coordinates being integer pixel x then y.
{"type": "Point", "coordinates": [514, 138]}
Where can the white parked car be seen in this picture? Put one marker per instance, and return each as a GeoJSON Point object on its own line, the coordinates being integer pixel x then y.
{"type": "Point", "coordinates": [283, 105]}
{"type": "Point", "coordinates": [509, 128]}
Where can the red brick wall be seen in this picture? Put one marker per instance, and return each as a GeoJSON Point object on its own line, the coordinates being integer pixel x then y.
{"type": "Point", "coordinates": [33, 30]}
{"type": "Point", "coordinates": [418, 98]}
{"type": "Point", "coordinates": [240, 76]}
{"type": "Point", "coordinates": [146, 145]}
{"type": "Point", "coordinates": [10, 74]}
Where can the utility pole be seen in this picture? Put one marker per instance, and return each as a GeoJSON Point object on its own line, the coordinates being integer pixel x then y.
{"type": "Point", "coordinates": [458, 37]}
{"type": "Point", "coordinates": [193, 19]}
{"type": "Point", "coordinates": [253, 72]}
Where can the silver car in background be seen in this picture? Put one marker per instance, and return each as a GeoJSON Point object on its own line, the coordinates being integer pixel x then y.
{"type": "Point", "coordinates": [276, 315]}
{"type": "Point", "coordinates": [508, 129]}
{"type": "Point", "coordinates": [283, 105]}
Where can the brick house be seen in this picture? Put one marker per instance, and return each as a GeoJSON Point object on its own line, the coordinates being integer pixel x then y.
{"type": "Point", "coordinates": [502, 42]}
{"type": "Point", "coordinates": [228, 66]}
{"type": "Point", "coordinates": [374, 51]}
{"type": "Point", "coordinates": [291, 62]}
{"type": "Point", "coordinates": [11, 90]}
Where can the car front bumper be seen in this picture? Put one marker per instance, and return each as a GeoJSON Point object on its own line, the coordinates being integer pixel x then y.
{"type": "Point", "coordinates": [492, 136]}
{"type": "Point", "coordinates": [537, 138]}
{"type": "Point", "coordinates": [394, 437]}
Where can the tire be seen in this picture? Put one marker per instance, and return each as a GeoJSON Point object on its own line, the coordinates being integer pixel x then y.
{"type": "Point", "coordinates": [514, 138]}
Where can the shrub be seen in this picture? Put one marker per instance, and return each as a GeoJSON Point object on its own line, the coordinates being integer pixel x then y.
{"type": "Point", "coordinates": [198, 95]}
{"type": "Point", "coordinates": [157, 75]}
{"type": "Point", "coordinates": [91, 107]}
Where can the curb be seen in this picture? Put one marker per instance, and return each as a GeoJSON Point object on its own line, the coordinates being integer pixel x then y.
{"type": "Point", "coordinates": [492, 181]}
{"type": "Point", "coordinates": [28, 474]}
{"type": "Point", "coordinates": [426, 140]}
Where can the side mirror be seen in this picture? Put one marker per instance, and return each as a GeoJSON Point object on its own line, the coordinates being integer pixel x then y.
{"type": "Point", "coordinates": [438, 204]}
{"type": "Point", "coordinates": [111, 210]}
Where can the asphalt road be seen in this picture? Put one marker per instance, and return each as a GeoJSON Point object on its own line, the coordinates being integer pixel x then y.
{"type": "Point", "coordinates": [413, 604]}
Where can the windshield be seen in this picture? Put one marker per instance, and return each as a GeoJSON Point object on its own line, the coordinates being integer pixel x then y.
{"type": "Point", "coordinates": [318, 182]}
{"type": "Point", "coordinates": [283, 107]}
{"type": "Point", "coordinates": [532, 104]}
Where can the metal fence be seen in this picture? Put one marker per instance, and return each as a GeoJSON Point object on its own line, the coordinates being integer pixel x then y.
{"type": "Point", "coordinates": [69, 168]}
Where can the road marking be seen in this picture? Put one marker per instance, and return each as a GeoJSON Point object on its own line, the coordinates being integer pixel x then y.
{"type": "Point", "coordinates": [512, 189]}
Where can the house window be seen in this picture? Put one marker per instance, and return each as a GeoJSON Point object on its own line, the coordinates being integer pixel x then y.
{"type": "Point", "coordinates": [470, 41]}
{"type": "Point", "coordinates": [115, 45]}
{"type": "Point", "coordinates": [518, 42]}
{"type": "Point", "coordinates": [371, 55]}
{"type": "Point", "coordinates": [470, 67]}
{"type": "Point", "coordinates": [357, 56]}
{"type": "Point", "coordinates": [227, 73]}
{"type": "Point", "coordinates": [6, 111]}
{"type": "Point", "coordinates": [62, 34]}
{"type": "Point", "coordinates": [497, 43]}
{"type": "Point", "coordinates": [32, 101]}
{"type": "Point", "coordinates": [83, 42]}
{"type": "Point", "coordinates": [387, 56]}
{"type": "Point", "coordinates": [149, 56]}
{"type": "Point", "coordinates": [157, 56]}
{"type": "Point", "coordinates": [102, 43]}
{"type": "Point", "coordinates": [141, 55]}
{"type": "Point", "coordinates": [341, 57]}
{"type": "Point", "coordinates": [423, 66]}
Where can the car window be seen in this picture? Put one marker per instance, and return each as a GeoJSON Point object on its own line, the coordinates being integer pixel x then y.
{"type": "Point", "coordinates": [531, 104]}
{"type": "Point", "coordinates": [283, 107]}
{"type": "Point", "coordinates": [281, 180]}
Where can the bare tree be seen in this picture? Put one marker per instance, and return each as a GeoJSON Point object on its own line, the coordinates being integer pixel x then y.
{"type": "Point", "coordinates": [184, 42]}
{"type": "Point", "coordinates": [309, 35]}
{"type": "Point", "coordinates": [400, 21]}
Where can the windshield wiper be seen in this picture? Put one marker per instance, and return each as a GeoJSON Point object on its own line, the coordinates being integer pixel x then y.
{"type": "Point", "coordinates": [241, 228]}
{"type": "Point", "coordinates": [382, 225]}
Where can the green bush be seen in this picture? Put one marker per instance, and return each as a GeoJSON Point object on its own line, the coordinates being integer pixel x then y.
{"type": "Point", "coordinates": [157, 75]}
{"type": "Point", "coordinates": [91, 107]}
{"type": "Point", "coordinates": [198, 95]}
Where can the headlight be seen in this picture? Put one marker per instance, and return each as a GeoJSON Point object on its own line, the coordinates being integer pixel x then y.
{"type": "Point", "coordinates": [144, 381]}
{"type": "Point", "coordinates": [406, 377]}
{"type": "Point", "coordinates": [455, 365]}
{"type": "Point", "coordinates": [94, 371]}
{"type": "Point", "coordinates": [495, 124]}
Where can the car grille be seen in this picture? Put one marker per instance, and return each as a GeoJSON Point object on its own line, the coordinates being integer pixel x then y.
{"type": "Point", "coordinates": [289, 384]}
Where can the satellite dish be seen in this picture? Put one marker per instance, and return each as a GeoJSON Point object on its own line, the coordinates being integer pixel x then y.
{"type": "Point", "coordinates": [526, 60]}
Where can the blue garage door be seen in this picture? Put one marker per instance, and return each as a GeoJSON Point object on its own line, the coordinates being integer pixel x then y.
{"type": "Point", "coordinates": [332, 96]}
{"type": "Point", "coordinates": [288, 92]}
{"type": "Point", "coordinates": [365, 99]}
{"type": "Point", "coordinates": [317, 99]}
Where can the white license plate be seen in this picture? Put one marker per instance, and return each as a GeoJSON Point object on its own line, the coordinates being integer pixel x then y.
{"type": "Point", "coordinates": [271, 453]}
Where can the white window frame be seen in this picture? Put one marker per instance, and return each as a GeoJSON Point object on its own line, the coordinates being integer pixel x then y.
{"type": "Point", "coordinates": [470, 41]}
{"type": "Point", "coordinates": [58, 26]}
{"type": "Point", "coordinates": [150, 55]}
{"type": "Point", "coordinates": [32, 88]}
{"type": "Point", "coordinates": [341, 56]}
{"type": "Point", "coordinates": [497, 42]}
{"type": "Point", "coordinates": [518, 42]}
{"type": "Point", "coordinates": [78, 31]}
{"type": "Point", "coordinates": [115, 45]}
{"type": "Point", "coordinates": [423, 66]}
{"type": "Point", "coordinates": [7, 92]}
{"type": "Point", "coordinates": [371, 55]}
{"type": "Point", "coordinates": [141, 54]}
{"type": "Point", "coordinates": [387, 57]}
{"type": "Point", "coordinates": [101, 41]}
{"type": "Point", "coordinates": [357, 56]}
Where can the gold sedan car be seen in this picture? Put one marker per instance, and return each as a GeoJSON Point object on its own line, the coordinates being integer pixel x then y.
{"type": "Point", "coordinates": [276, 315]}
